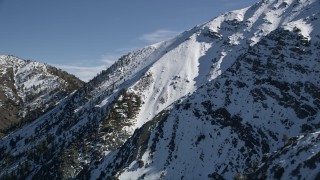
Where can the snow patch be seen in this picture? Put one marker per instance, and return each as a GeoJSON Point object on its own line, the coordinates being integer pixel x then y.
{"type": "Point", "coordinates": [300, 26]}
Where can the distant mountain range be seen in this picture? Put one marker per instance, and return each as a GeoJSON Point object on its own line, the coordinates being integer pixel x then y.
{"type": "Point", "coordinates": [28, 89]}
{"type": "Point", "coordinates": [234, 98]}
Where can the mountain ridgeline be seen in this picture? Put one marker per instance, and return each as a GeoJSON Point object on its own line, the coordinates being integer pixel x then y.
{"type": "Point", "coordinates": [234, 98]}
{"type": "Point", "coordinates": [29, 89]}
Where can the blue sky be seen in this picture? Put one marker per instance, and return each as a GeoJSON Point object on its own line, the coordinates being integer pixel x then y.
{"type": "Point", "coordinates": [84, 37]}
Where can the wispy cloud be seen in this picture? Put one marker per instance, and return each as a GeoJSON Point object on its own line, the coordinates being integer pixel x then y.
{"type": "Point", "coordinates": [86, 71]}
{"type": "Point", "coordinates": [158, 36]}
{"type": "Point", "coordinates": [110, 58]}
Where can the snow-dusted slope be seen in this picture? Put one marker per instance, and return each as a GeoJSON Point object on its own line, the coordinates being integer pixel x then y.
{"type": "Point", "coordinates": [29, 88]}
{"type": "Point", "coordinates": [299, 158]}
{"type": "Point", "coordinates": [234, 84]}
{"type": "Point", "coordinates": [270, 91]}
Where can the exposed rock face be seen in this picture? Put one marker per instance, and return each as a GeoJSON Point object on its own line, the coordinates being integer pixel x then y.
{"type": "Point", "coordinates": [208, 104]}
{"type": "Point", "coordinates": [230, 123]}
{"type": "Point", "coordinates": [298, 158]}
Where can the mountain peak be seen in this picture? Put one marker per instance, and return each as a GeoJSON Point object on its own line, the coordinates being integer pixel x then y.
{"type": "Point", "coordinates": [227, 93]}
{"type": "Point", "coordinates": [29, 89]}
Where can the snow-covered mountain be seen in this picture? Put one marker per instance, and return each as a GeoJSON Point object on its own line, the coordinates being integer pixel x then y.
{"type": "Point", "coordinates": [270, 92]}
{"type": "Point", "coordinates": [208, 104]}
{"type": "Point", "coordinates": [297, 159]}
{"type": "Point", "coordinates": [28, 89]}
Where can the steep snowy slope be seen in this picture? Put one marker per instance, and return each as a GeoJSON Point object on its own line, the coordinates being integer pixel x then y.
{"type": "Point", "coordinates": [237, 84]}
{"type": "Point", "coordinates": [299, 158]}
{"type": "Point", "coordinates": [28, 89]}
{"type": "Point", "coordinates": [227, 125]}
